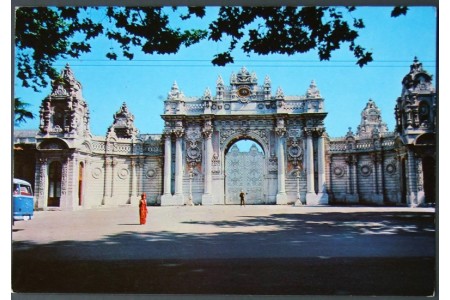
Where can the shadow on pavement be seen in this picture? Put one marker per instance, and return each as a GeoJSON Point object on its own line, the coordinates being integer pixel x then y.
{"type": "Point", "coordinates": [299, 254]}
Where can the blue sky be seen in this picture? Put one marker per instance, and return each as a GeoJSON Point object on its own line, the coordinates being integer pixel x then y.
{"type": "Point", "coordinates": [144, 82]}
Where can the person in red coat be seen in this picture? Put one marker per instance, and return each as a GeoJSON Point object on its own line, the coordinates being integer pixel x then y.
{"type": "Point", "coordinates": [143, 209]}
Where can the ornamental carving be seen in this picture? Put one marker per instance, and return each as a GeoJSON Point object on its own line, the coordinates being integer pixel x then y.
{"type": "Point", "coordinates": [193, 152]}
{"type": "Point", "coordinates": [193, 145]}
{"type": "Point", "coordinates": [419, 174]}
{"type": "Point", "coordinates": [313, 91]}
{"type": "Point", "coordinates": [295, 149]}
{"type": "Point", "coordinates": [123, 173]}
{"type": "Point", "coordinates": [96, 173]}
{"type": "Point", "coordinates": [244, 132]}
{"type": "Point", "coordinates": [123, 124]}
{"type": "Point", "coordinates": [273, 164]}
{"type": "Point", "coordinates": [391, 168]}
{"type": "Point", "coordinates": [215, 163]}
{"type": "Point", "coordinates": [339, 170]}
{"type": "Point", "coordinates": [295, 133]}
{"type": "Point", "coordinates": [366, 170]}
{"type": "Point", "coordinates": [64, 176]}
{"type": "Point", "coordinates": [150, 173]}
{"type": "Point", "coordinates": [179, 132]}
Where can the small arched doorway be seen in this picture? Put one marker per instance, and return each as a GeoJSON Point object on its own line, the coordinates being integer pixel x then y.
{"type": "Point", "coordinates": [245, 170]}
{"type": "Point", "coordinates": [80, 183]}
{"type": "Point", "coordinates": [54, 184]}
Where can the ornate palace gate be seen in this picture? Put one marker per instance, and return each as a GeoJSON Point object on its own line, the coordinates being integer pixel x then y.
{"type": "Point", "coordinates": [199, 132]}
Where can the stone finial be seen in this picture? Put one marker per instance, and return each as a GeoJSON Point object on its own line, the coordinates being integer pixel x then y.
{"type": "Point", "coordinates": [66, 84]}
{"type": "Point", "coordinates": [219, 81]}
{"type": "Point", "coordinates": [416, 66]}
{"type": "Point", "coordinates": [279, 94]}
{"type": "Point", "coordinates": [207, 94]}
{"type": "Point", "coordinates": [175, 93]}
{"type": "Point", "coordinates": [233, 77]}
{"type": "Point", "coordinates": [313, 91]}
{"type": "Point", "coordinates": [371, 120]}
{"type": "Point", "coordinates": [123, 124]}
{"type": "Point", "coordinates": [267, 81]}
{"type": "Point", "coordinates": [254, 77]}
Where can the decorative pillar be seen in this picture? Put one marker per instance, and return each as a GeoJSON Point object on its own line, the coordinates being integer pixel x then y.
{"type": "Point", "coordinates": [43, 184]}
{"type": "Point", "coordinates": [311, 197]}
{"type": "Point", "coordinates": [166, 197]}
{"type": "Point", "coordinates": [380, 178]}
{"type": "Point", "coordinates": [208, 169]}
{"type": "Point", "coordinates": [412, 187]}
{"type": "Point", "coordinates": [355, 191]}
{"type": "Point", "coordinates": [107, 185]}
{"type": "Point", "coordinates": [66, 199]}
{"type": "Point", "coordinates": [281, 195]}
{"type": "Point", "coordinates": [113, 164]}
{"type": "Point", "coordinates": [137, 186]}
{"type": "Point", "coordinates": [133, 182]}
{"type": "Point", "coordinates": [207, 197]}
{"type": "Point", "coordinates": [322, 189]}
{"type": "Point", "coordinates": [86, 172]}
{"type": "Point", "coordinates": [167, 165]}
{"type": "Point", "coordinates": [377, 195]}
{"type": "Point", "coordinates": [178, 197]}
{"type": "Point", "coordinates": [352, 182]}
{"type": "Point", "coordinates": [420, 190]}
{"type": "Point", "coordinates": [348, 183]}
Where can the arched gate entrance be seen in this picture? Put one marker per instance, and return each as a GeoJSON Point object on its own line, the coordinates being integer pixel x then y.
{"type": "Point", "coordinates": [245, 171]}
{"type": "Point", "coordinates": [199, 133]}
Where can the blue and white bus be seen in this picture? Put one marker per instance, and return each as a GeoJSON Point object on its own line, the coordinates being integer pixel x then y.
{"type": "Point", "coordinates": [23, 200]}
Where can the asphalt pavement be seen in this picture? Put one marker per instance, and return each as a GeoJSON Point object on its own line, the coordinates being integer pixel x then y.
{"type": "Point", "coordinates": [228, 250]}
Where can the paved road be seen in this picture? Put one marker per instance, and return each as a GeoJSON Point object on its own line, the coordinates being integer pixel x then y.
{"type": "Point", "coordinates": [257, 250]}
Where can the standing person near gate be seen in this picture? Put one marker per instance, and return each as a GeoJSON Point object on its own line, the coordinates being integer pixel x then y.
{"type": "Point", "coordinates": [143, 209]}
{"type": "Point", "coordinates": [242, 196]}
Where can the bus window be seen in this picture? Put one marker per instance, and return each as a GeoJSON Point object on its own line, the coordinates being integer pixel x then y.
{"type": "Point", "coordinates": [16, 189]}
{"type": "Point", "coordinates": [25, 190]}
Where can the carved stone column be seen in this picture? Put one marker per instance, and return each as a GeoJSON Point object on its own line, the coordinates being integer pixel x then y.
{"type": "Point", "coordinates": [138, 181]}
{"type": "Point", "coordinates": [179, 197]}
{"type": "Point", "coordinates": [107, 182]}
{"type": "Point", "coordinates": [311, 197]}
{"type": "Point", "coordinates": [412, 187]}
{"type": "Point", "coordinates": [207, 197]}
{"type": "Point", "coordinates": [322, 188]}
{"type": "Point", "coordinates": [167, 198]}
{"type": "Point", "coordinates": [420, 191]}
{"type": "Point", "coordinates": [378, 189]}
{"type": "Point", "coordinates": [355, 191]}
{"type": "Point", "coordinates": [281, 195]}
{"type": "Point", "coordinates": [167, 165]}
{"type": "Point", "coordinates": [114, 162]}
{"type": "Point", "coordinates": [380, 177]}
{"type": "Point", "coordinates": [43, 184]}
{"type": "Point", "coordinates": [352, 182]}
{"type": "Point", "coordinates": [69, 168]}
{"type": "Point", "coordinates": [133, 182]}
{"type": "Point", "coordinates": [348, 185]}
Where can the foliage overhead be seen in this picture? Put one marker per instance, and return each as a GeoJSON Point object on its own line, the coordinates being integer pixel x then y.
{"type": "Point", "coordinates": [46, 34]}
